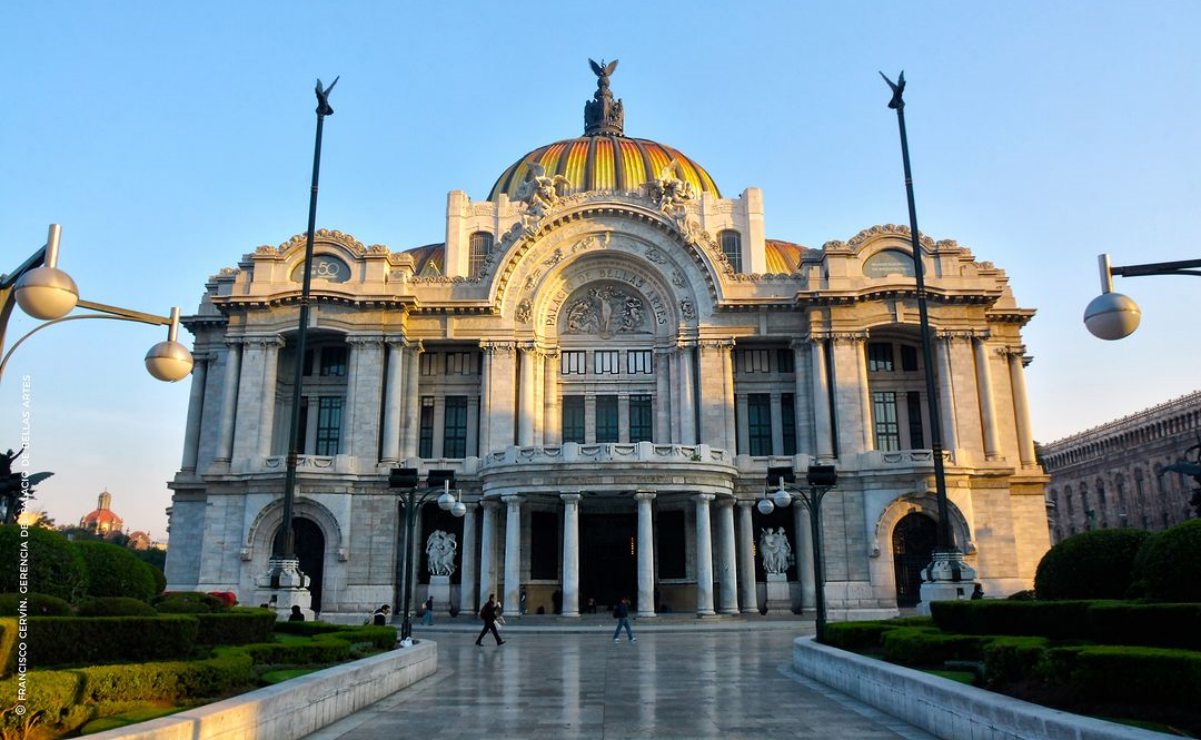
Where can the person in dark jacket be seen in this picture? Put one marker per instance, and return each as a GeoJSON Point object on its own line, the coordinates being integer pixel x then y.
{"type": "Point", "coordinates": [381, 615]}
{"type": "Point", "coordinates": [296, 615]}
{"type": "Point", "coordinates": [621, 613]}
{"type": "Point", "coordinates": [488, 614]}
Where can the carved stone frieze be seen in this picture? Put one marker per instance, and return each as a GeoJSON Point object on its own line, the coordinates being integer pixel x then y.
{"type": "Point", "coordinates": [523, 312]}
{"type": "Point", "coordinates": [606, 311]}
{"type": "Point", "coordinates": [687, 309]}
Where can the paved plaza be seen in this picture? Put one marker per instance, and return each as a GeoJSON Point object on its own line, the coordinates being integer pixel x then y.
{"type": "Point", "coordinates": [730, 683]}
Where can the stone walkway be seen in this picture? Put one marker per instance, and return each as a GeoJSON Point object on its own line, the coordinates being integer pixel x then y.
{"type": "Point", "coordinates": [670, 683]}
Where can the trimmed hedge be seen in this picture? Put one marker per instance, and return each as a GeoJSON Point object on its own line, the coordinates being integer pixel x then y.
{"type": "Point", "coordinates": [382, 637]}
{"type": "Point", "coordinates": [188, 602]}
{"type": "Point", "coordinates": [856, 635]}
{"type": "Point", "coordinates": [235, 627]}
{"type": "Point", "coordinates": [915, 646]}
{"type": "Point", "coordinates": [92, 640]}
{"type": "Point", "coordinates": [50, 698]}
{"type": "Point", "coordinates": [1168, 568]}
{"type": "Point", "coordinates": [1162, 625]}
{"type": "Point", "coordinates": [1059, 620]}
{"type": "Point", "coordinates": [115, 606]}
{"type": "Point", "coordinates": [36, 605]}
{"type": "Point", "coordinates": [307, 629]}
{"type": "Point", "coordinates": [1089, 565]}
{"type": "Point", "coordinates": [1137, 674]}
{"type": "Point", "coordinates": [115, 571]}
{"type": "Point", "coordinates": [1008, 659]}
{"type": "Point", "coordinates": [8, 641]}
{"type": "Point", "coordinates": [55, 566]}
{"type": "Point", "coordinates": [324, 650]}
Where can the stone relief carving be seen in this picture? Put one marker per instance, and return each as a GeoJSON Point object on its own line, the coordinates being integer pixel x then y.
{"type": "Point", "coordinates": [440, 549]}
{"type": "Point", "coordinates": [606, 311]}
{"type": "Point", "coordinates": [671, 190]}
{"type": "Point", "coordinates": [540, 191]}
{"type": "Point", "coordinates": [656, 255]}
{"type": "Point", "coordinates": [687, 309]}
{"type": "Point", "coordinates": [775, 550]}
{"type": "Point", "coordinates": [591, 242]}
{"type": "Point", "coordinates": [523, 312]}
{"type": "Point", "coordinates": [677, 279]}
{"type": "Point", "coordinates": [555, 258]}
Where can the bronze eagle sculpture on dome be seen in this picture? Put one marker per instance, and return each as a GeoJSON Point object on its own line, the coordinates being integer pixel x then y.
{"type": "Point", "coordinates": [603, 70]}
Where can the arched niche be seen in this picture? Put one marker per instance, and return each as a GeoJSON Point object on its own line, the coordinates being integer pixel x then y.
{"type": "Point", "coordinates": [260, 536]}
{"type": "Point", "coordinates": [920, 503]}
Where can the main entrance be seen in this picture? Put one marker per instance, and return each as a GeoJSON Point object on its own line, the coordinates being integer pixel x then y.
{"type": "Point", "coordinates": [608, 558]}
{"type": "Point", "coordinates": [310, 551]}
{"type": "Point", "coordinates": [913, 543]}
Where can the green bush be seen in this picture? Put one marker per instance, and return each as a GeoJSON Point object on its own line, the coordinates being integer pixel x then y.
{"type": "Point", "coordinates": [36, 605]}
{"type": "Point", "coordinates": [916, 646]}
{"type": "Point", "coordinates": [322, 650]}
{"type": "Point", "coordinates": [1008, 659]}
{"type": "Point", "coordinates": [1162, 625]}
{"type": "Point", "coordinates": [307, 629]}
{"type": "Point", "coordinates": [115, 571]}
{"type": "Point", "coordinates": [381, 637]}
{"type": "Point", "coordinates": [856, 635]}
{"type": "Point", "coordinates": [188, 602]}
{"type": "Point", "coordinates": [50, 702]}
{"type": "Point", "coordinates": [1137, 674]}
{"type": "Point", "coordinates": [8, 641]}
{"type": "Point", "coordinates": [115, 606]}
{"type": "Point", "coordinates": [1058, 620]}
{"type": "Point", "coordinates": [235, 627]}
{"type": "Point", "coordinates": [1089, 565]}
{"type": "Point", "coordinates": [1168, 568]}
{"type": "Point", "coordinates": [92, 640]}
{"type": "Point", "coordinates": [55, 566]}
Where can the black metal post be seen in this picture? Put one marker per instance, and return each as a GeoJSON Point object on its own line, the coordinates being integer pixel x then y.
{"type": "Point", "coordinates": [945, 542]}
{"type": "Point", "coordinates": [814, 504]}
{"type": "Point", "coordinates": [406, 623]}
{"type": "Point", "coordinates": [285, 544]}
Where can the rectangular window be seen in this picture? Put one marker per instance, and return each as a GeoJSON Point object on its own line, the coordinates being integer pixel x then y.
{"type": "Point", "coordinates": [640, 361]}
{"type": "Point", "coordinates": [879, 357]}
{"type": "Point", "coordinates": [753, 361]}
{"type": "Point", "coordinates": [640, 419]}
{"type": "Point", "coordinates": [884, 411]}
{"type": "Point", "coordinates": [788, 422]}
{"type": "Point", "coordinates": [672, 555]}
{"type": "Point", "coordinates": [913, 405]}
{"type": "Point", "coordinates": [572, 363]}
{"type": "Point", "coordinates": [908, 358]}
{"type": "Point", "coordinates": [605, 362]}
{"type": "Point", "coordinates": [785, 361]}
{"type": "Point", "coordinates": [573, 419]}
{"type": "Point", "coordinates": [426, 439]}
{"type": "Point", "coordinates": [460, 363]}
{"type": "Point", "coordinates": [758, 415]}
{"type": "Point", "coordinates": [329, 424]}
{"type": "Point", "coordinates": [454, 433]}
{"type": "Point", "coordinates": [430, 364]}
{"type": "Point", "coordinates": [606, 418]}
{"type": "Point", "coordinates": [333, 361]}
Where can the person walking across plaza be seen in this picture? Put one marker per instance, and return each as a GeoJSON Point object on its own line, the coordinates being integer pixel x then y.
{"type": "Point", "coordinates": [488, 614]}
{"type": "Point", "coordinates": [621, 613]}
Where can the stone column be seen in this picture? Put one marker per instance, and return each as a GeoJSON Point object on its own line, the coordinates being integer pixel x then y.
{"type": "Point", "coordinates": [270, 390]}
{"type": "Point", "coordinates": [823, 427]}
{"type": "Point", "coordinates": [687, 409]}
{"type": "Point", "coordinates": [746, 559]}
{"type": "Point", "coordinates": [229, 398]}
{"type": "Point", "coordinates": [946, 394]}
{"type": "Point", "coordinates": [1021, 407]}
{"type": "Point", "coordinates": [865, 397]}
{"type": "Point", "coordinates": [256, 401]}
{"type": "Point", "coordinates": [571, 554]}
{"type": "Point", "coordinates": [646, 554]}
{"type": "Point", "coordinates": [704, 556]}
{"type": "Point", "coordinates": [488, 551]}
{"type": "Point", "coordinates": [412, 402]}
{"type": "Point", "coordinates": [663, 391]}
{"type": "Point", "coordinates": [512, 593]}
{"type": "Point", "coordinates": [851, 422]}
{"type": "Point", "coordinates": [393, 400]}
{"type": "Point", "coordinates": [467, 574]}
{"type": "Point", "coordinates": [502, 392]}
{"type": "Point", "coordinates": [988, 413]}
{"type": "Point", "coordinates": [485, 397]}
{"type": "Point", "coordinates": [712, 396]}
{"type": "Point", "coordinates": [191, 439]}
{"type": "Point", "coordinates": [727, 560]}
{"type": "Point", "coordinates": [623, 418]}
{"type": "Point", "coordinates": [552, 419]}
{"type": "Point", "coordinates": [439, 433]}
{"type": "Point", "coordinates": [361, 420]}
{"type": "Point", "coordinates": [803, 398]}
{"type": "Point", "coordinates": [742, 442]}
{"type": "Point", "coordinates": [525, 391]}
{"type": "Point", "coordinates": [727, 359]}
{"type": "Point", "coordinates": [777, 425]}
{"type": "Point", "coordinates": [803, 552]}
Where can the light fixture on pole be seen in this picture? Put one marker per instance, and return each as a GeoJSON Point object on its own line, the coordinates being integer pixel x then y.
{"type": "Point", "coordinates": [405, 481]}
{"type": "Point", "coordinates": [1115, 316]}
{"type": "Point", "coordinates": [821, 479]}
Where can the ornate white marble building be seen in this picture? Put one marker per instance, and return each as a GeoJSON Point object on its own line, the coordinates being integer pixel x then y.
{"type": "Point", "coordinates": [610, 354]}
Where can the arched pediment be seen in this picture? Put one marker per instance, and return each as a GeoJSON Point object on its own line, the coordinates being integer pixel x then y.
{"type": "Point", "coordinates": [262, 531]}
{"type": "Point", "coordinates": [921, 503]}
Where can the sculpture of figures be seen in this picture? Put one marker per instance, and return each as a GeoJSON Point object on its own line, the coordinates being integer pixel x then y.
{"type": "Point", "coordinates": [775, 550]}
{"type": "Point", "coordinates": [440, 549]}
{"type": "Point", "coordinates": [671, 190]}
{"type": "Point", "coordinates": [540, 191]}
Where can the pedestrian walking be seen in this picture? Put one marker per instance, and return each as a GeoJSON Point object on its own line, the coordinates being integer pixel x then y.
{"type": "Point", "coordinates": [380, 618]}
{"type": "Point", "coordinates": [428, 617]}
{"type": "Point", "coordinates": [621, 613]}
{"type": "Point", "coordinates": [488, 613]}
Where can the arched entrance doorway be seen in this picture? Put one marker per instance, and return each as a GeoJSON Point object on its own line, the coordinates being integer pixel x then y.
{"type": "Point", "coordinates": [310, 551]}
{"type": "Point", "coordinates": [913, 542]}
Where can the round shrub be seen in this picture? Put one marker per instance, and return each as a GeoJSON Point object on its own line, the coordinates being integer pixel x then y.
{"type": "Point", "coordinates": [1168, 568]}
{"type": "Point", "coordinates": [36, 605]}
{"type": "Point", "coordinates": [1090, 565]}
{"type": "Point", "coordinates": [115, 571]}
{"type": "Point", "coordinates": [55, 566]}
{"type": "Point", "coordinates": [188, 602]}
{"type": "Point", "coordinates": [114, 606]}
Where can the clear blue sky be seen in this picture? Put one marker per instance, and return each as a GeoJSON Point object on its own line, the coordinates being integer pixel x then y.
{"type": "Point", "coordinates": [171, 138]}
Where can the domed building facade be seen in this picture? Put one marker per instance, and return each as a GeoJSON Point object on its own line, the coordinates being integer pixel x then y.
{"type": "Point", "coordinates": [610, 355]}
{"type": "Point", "coordinates": [102, 520]}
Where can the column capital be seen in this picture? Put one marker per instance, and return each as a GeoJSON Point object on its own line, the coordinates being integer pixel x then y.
{"type": "Point", "coordinates": [262, 340]}
{"type": "Point", "coordinates": [724, 502]}
{"type": "Point", "coordinates": [704, 497]}
{"type": "Point", "coordinates": [571, 499]}
{"type": "Point", "coordinates": [489, 504]}
{"type": "Point", "coordinates": [718, 343]}
{"type": "Point", "coordinates": [364, 339]}
{"type": "Point", "coordinates": [644, 496]}
{"type": "Point", "coordinates": [511, 500]}
{"type": "Point", "coordinates": [396, 340]}
{"type": "Point", "coordinates": [849, 337]}
{"type": "Point", "coordinates": [498, 347]}
{"type": "Point", "coordinates": [744, 503]}
{"type": "Point", "coordinates": [952, 335]}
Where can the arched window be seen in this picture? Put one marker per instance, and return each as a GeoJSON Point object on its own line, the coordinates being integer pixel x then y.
{"type": "Point", "coordinates": [731, 247]}
{"type": "Point", "coordinates": [480, 248]}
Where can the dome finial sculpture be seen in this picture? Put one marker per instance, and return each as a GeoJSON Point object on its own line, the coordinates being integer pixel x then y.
{"type": "Point", "coordinates": [603, 115]}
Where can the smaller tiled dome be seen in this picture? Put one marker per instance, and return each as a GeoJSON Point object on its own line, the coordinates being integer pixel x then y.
{"type": "Point", "coordinates": [103, 519]}
{"type": "Point", "coordinates": [783, 258]}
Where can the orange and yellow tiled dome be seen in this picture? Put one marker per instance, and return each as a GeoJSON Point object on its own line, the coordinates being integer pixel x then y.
{"type": "Point", "coordinates": [614, 163]}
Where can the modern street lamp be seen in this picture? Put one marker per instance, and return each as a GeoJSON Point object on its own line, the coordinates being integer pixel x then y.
{"type": "Point", "coordinates": [45, 292]}
{"type": "Point", "coordinates": [946, 566]}
{"type": "Point", "coordinates": [821, 479]}
{"type": "Point", "coordinates": [1115, 316]}
{"type": "Point", "coordinates": [406, 482]}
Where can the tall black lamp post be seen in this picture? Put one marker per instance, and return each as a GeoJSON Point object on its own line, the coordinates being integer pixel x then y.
{"type": "Point", "coordinates": [947, 566]}
{"type": "Point", "coordinates": [406, 481]}
{"type": "Point", "coordinates": [821, 479]}
{"type": "Point", "coordinates": [1113, 315]}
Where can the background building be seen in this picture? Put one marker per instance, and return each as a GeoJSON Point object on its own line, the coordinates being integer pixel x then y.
{"type": "Point", "coordinates": [1112, 475]}
{"type": "Point", "coordinates": [102, 520]}
{"type": "Point", "coordinates": [610, 354]}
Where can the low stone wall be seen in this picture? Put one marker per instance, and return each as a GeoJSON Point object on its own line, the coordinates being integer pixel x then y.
{"type": "Point", "coordinates": [945, 708]}
{"type": "Point", "coordinates": [294, 708]}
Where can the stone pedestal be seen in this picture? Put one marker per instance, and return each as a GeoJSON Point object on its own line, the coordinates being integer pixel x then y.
{"type": "Point", "coordinates": [284, 586]}
{"type": "Point", "coordinates": [779, 594]}
{"type": "Point", "coordinates": [439, 588]}
{"type": "Point", "coordinates": [947, 578]}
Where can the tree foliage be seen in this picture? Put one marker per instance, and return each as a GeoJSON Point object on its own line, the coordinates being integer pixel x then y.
{"type": "Point", "coordinates": [115, 571]}
{"type": "Point", "coordinates": [55, 567]}
{"type": "Point", "coordinates": [1089, 565]}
